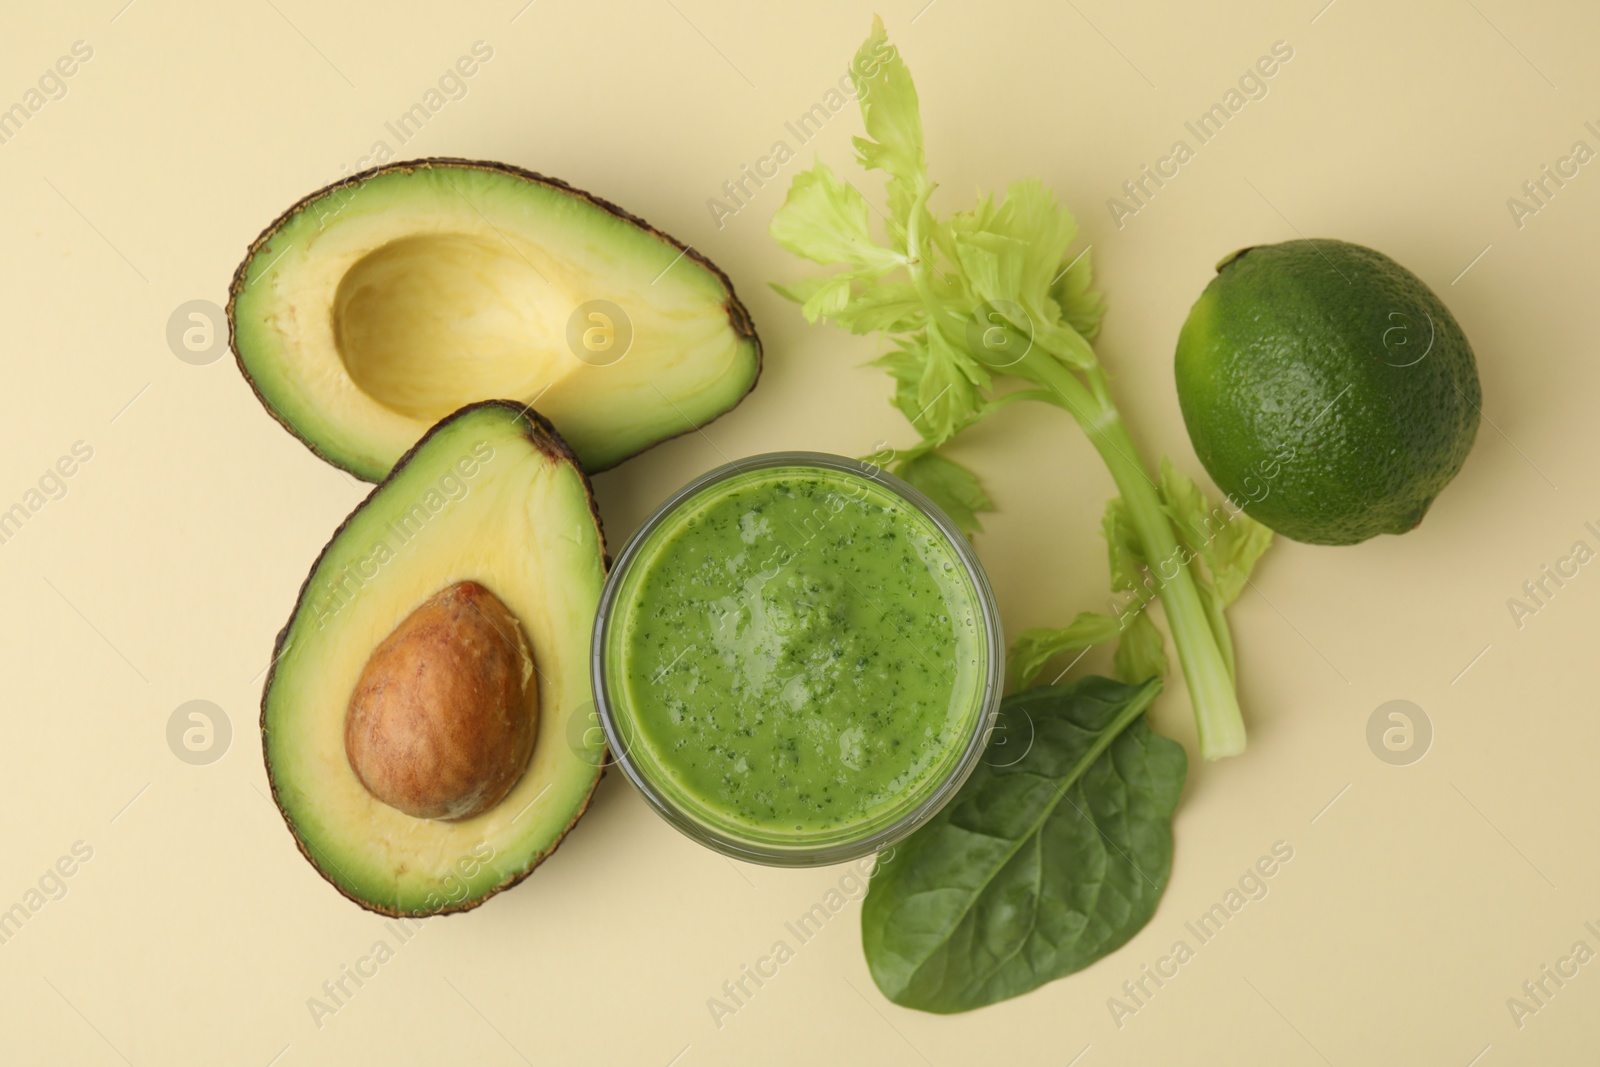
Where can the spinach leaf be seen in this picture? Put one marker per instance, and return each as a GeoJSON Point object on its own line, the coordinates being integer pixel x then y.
{"type": "Point", "coordinates": [1042, 863]}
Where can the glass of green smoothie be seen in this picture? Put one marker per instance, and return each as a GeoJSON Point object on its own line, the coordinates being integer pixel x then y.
{"type": "Point", "coordinates": [796, 659]}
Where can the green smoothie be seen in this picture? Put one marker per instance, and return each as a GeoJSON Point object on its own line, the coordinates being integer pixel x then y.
{"type": "Point", "coordinates": [796, 651]}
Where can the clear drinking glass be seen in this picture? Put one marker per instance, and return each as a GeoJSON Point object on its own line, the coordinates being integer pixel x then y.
{"type": "Point", "coordinates": [651, 771]}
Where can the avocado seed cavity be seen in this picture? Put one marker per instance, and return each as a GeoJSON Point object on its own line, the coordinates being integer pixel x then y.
{"type": "Point", "coordinates": [443, 719]}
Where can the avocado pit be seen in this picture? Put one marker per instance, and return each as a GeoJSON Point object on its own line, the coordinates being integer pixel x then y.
{"type": "Point", "coordinates": [444, 717]}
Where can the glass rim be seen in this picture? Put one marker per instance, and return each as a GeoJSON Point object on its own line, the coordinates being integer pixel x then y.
{"type": "Point", "coordinates": [804, 855]}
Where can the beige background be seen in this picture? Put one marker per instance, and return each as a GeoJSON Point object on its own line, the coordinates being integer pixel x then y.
{"type": "Point", "coordinates": [1415, 905]}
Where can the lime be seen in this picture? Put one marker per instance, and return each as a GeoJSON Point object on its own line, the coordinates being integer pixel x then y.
{"type": "Point", "coordinates": [1327, 390]}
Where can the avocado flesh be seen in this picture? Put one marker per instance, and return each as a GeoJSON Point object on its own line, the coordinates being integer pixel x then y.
{"type": "Point", "coordinates": [522, 525]}
{"type": "Point", "coordinates": [377, 306]}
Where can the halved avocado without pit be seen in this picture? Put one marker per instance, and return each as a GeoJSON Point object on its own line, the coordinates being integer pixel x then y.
{"type": "Point", "coordinates": [425, 718]}
{"type": "Point", "coordinates": [373, 308]}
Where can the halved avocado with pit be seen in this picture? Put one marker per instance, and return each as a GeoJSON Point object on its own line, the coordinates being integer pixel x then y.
{"type": "Point", "coordinates": [373, 308]}
{"type": "Point", "coordinates": [462, 589]}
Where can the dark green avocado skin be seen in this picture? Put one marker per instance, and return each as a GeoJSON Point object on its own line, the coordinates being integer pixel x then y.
{"type": "Point", "coordinates": [1326, 389]}
{"type": "Point", "coordinates": [543, 438]}
{"type": "Point", "coordinates": [738, 316]}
